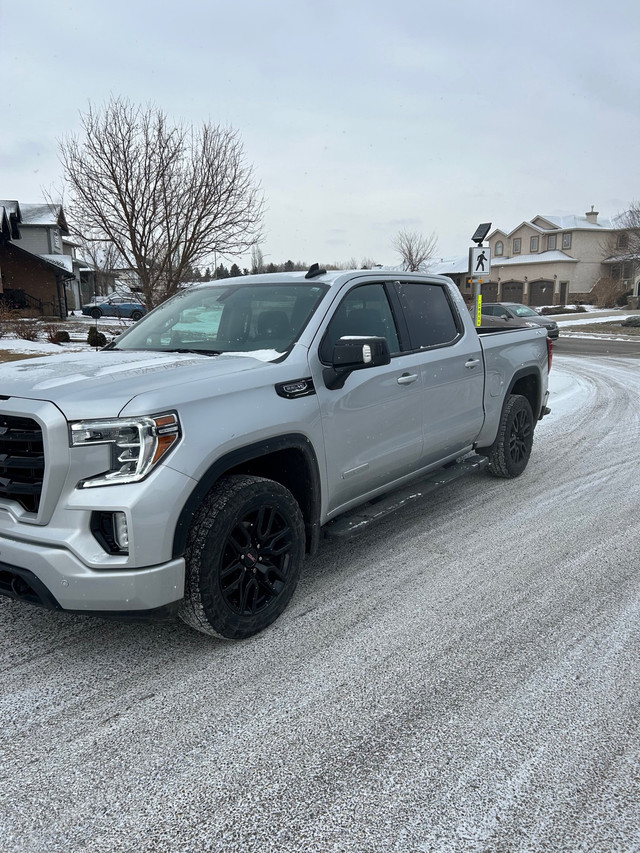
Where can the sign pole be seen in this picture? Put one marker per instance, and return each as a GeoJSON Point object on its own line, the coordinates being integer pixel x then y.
{"type": "Point", "coordinates": [479, 268]}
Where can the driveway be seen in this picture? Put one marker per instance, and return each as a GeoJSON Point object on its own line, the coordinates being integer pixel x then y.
{"type": "Point", "coordinates": [463, 677]}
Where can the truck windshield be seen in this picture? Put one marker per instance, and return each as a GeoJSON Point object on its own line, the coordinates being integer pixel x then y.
{"type": "Point", "coordinates": [222, 318]}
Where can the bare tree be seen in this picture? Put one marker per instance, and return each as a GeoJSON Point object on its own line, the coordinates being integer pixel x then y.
{"type": "Point", "coordinates": [167, 196]}
{"type": "Point", "coordinates": [622, 256]}
{"type": "Point", "coordinates": [257, 260]}
{"type": "Point", "coordinates": [416, 250]}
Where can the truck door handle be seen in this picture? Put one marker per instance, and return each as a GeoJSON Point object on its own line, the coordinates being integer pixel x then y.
{"type": "Point", "coordinates": [407, 378]}
{"type": "Point", "coordinates": [471, 363]}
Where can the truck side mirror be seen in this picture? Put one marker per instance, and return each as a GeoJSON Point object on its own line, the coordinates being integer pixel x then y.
{"type": "Point", "coordinates": [355, 353]}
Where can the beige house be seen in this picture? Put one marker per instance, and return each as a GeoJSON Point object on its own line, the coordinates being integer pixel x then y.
{"type": "Point", "coordinates": [551, 260]}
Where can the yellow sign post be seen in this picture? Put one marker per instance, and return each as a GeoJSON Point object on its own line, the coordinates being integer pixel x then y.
{"type": "Point", "coordinates": [479, 268]}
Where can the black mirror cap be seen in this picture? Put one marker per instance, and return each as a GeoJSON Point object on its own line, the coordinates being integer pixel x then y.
{"type": "Point", "coordinates": [355, 353]}
{"type": "Point", "coordinates": [358, 352]}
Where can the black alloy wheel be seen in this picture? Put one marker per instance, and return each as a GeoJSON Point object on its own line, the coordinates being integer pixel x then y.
{"type": "Point", "coordinates": [255, 560]}
{"type": "Point", "coordinates": [520, 435]}
{"type": "Point", "coordinates": [510, 452]}
{"type": "Point", "coordinates": [244, 554]}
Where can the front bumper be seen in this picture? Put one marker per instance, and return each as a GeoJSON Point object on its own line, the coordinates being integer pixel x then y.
{"type": "Point", "coordinates": [54, 578]}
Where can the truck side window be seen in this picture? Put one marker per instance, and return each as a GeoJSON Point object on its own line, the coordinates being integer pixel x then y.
{"type": "Point", "coordinates": [365, 310]}
{"type": "Point", "coordinates": [430, 319]}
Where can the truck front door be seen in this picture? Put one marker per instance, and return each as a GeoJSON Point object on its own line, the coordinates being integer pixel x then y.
{"type": "Point", "coordinates": [373, 425]}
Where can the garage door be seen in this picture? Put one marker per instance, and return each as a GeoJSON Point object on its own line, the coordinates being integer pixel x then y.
{"type": "Point", "coordinates": [512, 291]}
{"type": "Point", "coordinates": [541, 293]}
{"type": "Point", "coordinates": [490, 292]}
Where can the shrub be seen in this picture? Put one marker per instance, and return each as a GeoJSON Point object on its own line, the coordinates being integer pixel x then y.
{"type": "Point", "coordinates": [96, 338]}
{"type": "Point", "coordinates": [6, 316]}
{"type": "Point", "coordinates": [26, 330]}
{"type": "Point", "coordinates": [55, 335]}
{"type": "Point", "coordinates": [606, 292]}
{"type": "Point", "coordinates": [563, 309]}
{"type": "Point", "coordinates": [632, 321]}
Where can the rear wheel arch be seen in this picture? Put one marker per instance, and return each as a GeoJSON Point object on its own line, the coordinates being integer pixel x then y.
{"type": "Point", "coordinates": [527, 383]}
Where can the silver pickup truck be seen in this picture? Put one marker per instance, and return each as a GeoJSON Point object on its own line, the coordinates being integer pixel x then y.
{"type": "Point", "coordinates": [189, 466]}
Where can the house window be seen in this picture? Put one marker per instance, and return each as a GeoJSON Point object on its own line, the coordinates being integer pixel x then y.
{"type": "Point", "coordinates": [551, 242]}
{"type": "Point", "coordinates": [516, 245]}
{"type": "Point", "coordinates": [499, 247]}
{"type": "Point", "coordinates": [622, 241]}
{"type": "Point", "coordinates": [566, 241]}
{"type": "Point", "coordinates": [533, 244]}
{"type": "Point", "coordinates": [56, 239]}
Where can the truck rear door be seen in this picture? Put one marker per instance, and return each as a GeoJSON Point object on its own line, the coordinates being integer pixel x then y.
{"type": "Point", "coordinates": [451, 367]}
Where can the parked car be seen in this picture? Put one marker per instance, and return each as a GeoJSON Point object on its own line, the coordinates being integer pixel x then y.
{"type": "Point", "coordinates": [115, 306]}
{"type": "Point", "coordinates": [513, 315]}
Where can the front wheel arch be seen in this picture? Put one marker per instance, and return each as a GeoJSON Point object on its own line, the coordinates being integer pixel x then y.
{"type": "Point", "coordinates": [288, 459]}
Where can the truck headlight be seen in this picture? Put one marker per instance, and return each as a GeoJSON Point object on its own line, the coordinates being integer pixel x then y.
{"type": "Point", "coordinates": [137, 445]}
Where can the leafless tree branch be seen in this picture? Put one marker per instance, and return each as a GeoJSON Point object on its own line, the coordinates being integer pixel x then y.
{"type": "Point", "coordinates": [415, 249]}
{"type": "Point", "coordinates": [167, 196]}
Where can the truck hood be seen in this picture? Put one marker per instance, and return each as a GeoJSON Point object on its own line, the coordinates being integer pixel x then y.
{"type": "Point", "coordinates": [100, 384]}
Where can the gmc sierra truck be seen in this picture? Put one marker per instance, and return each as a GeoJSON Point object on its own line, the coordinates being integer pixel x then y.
{"type": "Point", "coordinates": [189, 466]}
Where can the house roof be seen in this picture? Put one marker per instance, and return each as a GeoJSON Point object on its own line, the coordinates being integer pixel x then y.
{"type": "Point", "coordinates": [553, 257]}
{"type": "Point", "coordinates": [545, 223]}
{"type": "Point", "coordinates": [573, 223]}
{"type": "Point", "coordinates": [65, 262]}
{"type": "Point", "coordinates": [449, 266]}
{"type": "Point", "coordinates": [5, 224]}
{"type": "Point", "coordinates": [44, 214]}
{"type": "Point", "coordinates": [45, 260]}
{"type": "Point", "coordinates": [12, 211]}
{"type": "Point", "coordinates": [12, 207]}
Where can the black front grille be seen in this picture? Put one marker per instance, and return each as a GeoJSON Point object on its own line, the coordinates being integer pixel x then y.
{"type": "Point", "coordinates": [21, 461]}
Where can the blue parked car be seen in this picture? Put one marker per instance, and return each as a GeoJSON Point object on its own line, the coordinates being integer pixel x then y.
{"type": "Point", "coordinates": [115, 306]}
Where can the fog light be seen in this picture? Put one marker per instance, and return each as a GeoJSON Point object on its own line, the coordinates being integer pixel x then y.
{"type": "Point", "coordinates": [111, 531]}
{"type": "Point", "coordinates": [120, 530]}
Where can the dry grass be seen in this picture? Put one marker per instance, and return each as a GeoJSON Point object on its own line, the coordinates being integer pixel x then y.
{"type": "Point", "coordinates": [6, 356]}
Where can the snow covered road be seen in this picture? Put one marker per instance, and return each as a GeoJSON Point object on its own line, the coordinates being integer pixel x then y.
{"type": "Point", "coordinates": [462, 678]}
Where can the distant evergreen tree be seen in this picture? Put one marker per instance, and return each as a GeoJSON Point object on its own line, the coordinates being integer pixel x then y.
{"type": "Point", "coordinates": [234, 271]}
{"type": "Point", "coordinates": [271, 268]}
{"type": "Point", "coordinates": [289, 266]}
{"type": "Point", "coordinates": [221, 272]}
{"type": "Point", "coordinates": [207, 274]}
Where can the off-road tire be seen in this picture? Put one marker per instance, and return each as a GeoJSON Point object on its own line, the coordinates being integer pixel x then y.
{"type": "Point", "coordinates": [510, 452]}
{"type": "Point", "coordinates": [243, 557]}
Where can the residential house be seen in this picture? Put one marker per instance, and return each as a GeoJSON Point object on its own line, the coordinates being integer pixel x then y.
{"type": "Point", "coordinates": [33, 265]}
{"type": "Point", "coordinates": [550, 260]}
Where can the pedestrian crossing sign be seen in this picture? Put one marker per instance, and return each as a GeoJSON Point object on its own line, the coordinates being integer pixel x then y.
{"type": "Point", "coordinates": [479, 260]}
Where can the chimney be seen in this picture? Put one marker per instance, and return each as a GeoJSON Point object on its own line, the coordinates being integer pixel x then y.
{"type": "Point", "coordinates": [592, 216]}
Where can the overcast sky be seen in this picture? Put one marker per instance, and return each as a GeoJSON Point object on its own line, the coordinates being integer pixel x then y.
{"type": "Point", "coordinates": [360, 117]}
